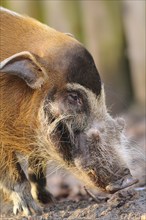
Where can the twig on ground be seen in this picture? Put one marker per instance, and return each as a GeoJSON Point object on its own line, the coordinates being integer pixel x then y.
{"type": "Point", "coordinates": [96, 199]}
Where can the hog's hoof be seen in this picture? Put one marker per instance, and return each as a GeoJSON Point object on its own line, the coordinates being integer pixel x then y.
{"type": "Point", "coordinates": [26, 205]}
{"type": "Point", "coordinates": [23, 200]}
{"type": "Point", "coordinates": [128, 181]}
{"type": "Point", "coordinates": [43, 196]}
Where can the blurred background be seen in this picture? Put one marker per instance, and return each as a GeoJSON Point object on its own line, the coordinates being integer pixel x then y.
{"type": "Point", "coordinates": [114, 33]}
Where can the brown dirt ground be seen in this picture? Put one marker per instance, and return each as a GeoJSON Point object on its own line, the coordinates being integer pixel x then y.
{"type": "Point", "coordinates": [131, 208]}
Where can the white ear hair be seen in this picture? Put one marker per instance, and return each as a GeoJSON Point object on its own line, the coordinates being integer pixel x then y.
{"type": "Point", "coordinates": [9, 11]}
{"type": "Point", "coordinates": [69, 34]}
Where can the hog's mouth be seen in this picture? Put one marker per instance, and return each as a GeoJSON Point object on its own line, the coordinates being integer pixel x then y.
{"type": "Point", "coordinates": [114, 186]}
{"type": "Point", "coordinates": [127, 182]}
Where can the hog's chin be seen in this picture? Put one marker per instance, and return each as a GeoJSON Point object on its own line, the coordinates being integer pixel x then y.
{"type": "Point", "coordinates": [87, 169]}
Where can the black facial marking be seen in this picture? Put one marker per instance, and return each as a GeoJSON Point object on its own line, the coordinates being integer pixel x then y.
{"type": "Point", "coordinates": [81, 98]}
{"type": "Point", "coordinates": [65, 143]}
{"type": "Point", "coordinates": [81, 69]}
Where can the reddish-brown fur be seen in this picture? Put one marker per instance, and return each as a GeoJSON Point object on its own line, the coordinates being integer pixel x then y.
{"type": "Point", "coordinates": [19, 103]}
{"type": "Point", "coordinates": [20, 34]}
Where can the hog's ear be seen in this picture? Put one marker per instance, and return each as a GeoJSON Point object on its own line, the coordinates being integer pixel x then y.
{"type": "Point", "coordinates": [70, 35]}
{"type": "Point", "coordinates": [25, 66]}
{"type": "Point", "coordinates": [120, 123]}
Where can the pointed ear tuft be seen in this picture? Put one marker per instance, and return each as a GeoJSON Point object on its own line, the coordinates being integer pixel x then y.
{"type": "Point", "coordinates": [25, 66]}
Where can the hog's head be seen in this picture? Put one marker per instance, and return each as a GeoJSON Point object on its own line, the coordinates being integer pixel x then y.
{"type": "Point", "coordinates": [88, 137]}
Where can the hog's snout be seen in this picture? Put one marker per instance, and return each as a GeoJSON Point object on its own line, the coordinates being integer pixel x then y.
{"type": "Point", "coordinates": [126, 182]}
{"type": "Point", "coordinates": [97, 155]}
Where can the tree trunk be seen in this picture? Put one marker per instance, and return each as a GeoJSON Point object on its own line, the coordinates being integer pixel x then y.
{"type": "Point", "coordinates": [134, 21]}
{"type": "Point", "coordinates": [104, 37]}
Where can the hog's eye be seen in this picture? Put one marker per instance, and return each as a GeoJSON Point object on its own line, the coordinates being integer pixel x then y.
{"type": "Point", "coordinates": [74, 98]}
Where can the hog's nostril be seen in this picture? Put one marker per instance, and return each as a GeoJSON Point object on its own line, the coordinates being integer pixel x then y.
{"type": "Point", "coordinates": [127, 182]}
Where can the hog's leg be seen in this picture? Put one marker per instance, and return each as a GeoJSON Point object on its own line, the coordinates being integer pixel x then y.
{"type": "Point", "coordinates": [37, 178]}
{"type": "Point", "coordinates": [15, 184]}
